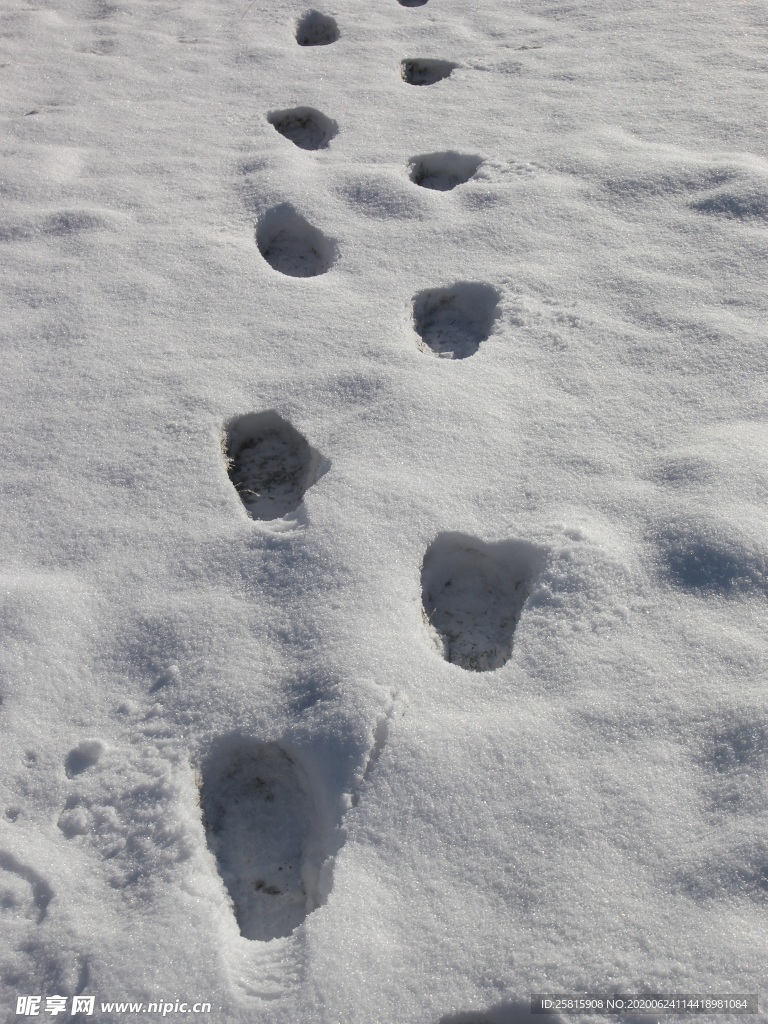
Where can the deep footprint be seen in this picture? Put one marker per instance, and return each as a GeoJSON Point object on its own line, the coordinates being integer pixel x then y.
{"type": "Point", "coordinates": [316, 29]}
{"type": "Point", "coordinates": [422, 71]}
{"type": "Point", "coordinates": [473, 595]}
{"type": "Point", "coordinates": [291, 245]}
{"type": "Point", "coordinates": [258, 817]}
{"type": "Point", "coordinates": [443, 171]}
{"type": "Point", "coordinates": [453, 322]}
{"type": "Point", "coordinates": [270, 464]}
{"type": "Point", "coordinates": [305, 127]}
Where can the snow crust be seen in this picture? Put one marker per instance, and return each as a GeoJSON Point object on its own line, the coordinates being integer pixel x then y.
{"type": "Point", "coordinates": [211, 213]}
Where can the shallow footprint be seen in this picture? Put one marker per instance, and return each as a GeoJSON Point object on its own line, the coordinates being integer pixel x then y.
{"type": "Point", "coordinates": [739, 201]}
{"type": "Point", "coordinates": [472, 595]}
{"type": "Point", "coordinates": [305, 127]}
{"type": "Point", "coordinates": [291, 245]}
{"type": "Point", "coordinates": [443, 171]}
{"type": "Point", "coordinates": [423, 71]}
{"type": "Point", "coordinates": [270, 464]}
{"type": "Point", "coordinates": [24, 894]}
{"type": "Point", "coordinates": [453, 322]}
{"type": "Point", "coordinates": [316, 29]}
{"type": "Point", "coordinates": [713, 558]}
{"type": "Point", "coordinates": [258, 818]}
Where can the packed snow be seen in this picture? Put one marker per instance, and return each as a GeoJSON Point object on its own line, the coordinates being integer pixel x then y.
{"type": "Point", "coordinates": [384, 502]}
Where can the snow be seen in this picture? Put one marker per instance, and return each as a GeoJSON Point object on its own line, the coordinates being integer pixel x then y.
{"type": "Point", "coordinates": [489, 279]}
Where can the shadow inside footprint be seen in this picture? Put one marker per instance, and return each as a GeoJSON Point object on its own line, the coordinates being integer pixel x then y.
{"type": "Point", "coordinates": [305, 127]}
{"type": "Point", "coordinates": [316, 29]}
{"type": "Point", "coordinates": [443, 171]}
{"type": "Point", "coordinates": [411, 3]}
{"type": "Point", "coordinates": [270, 464]}
{"type": "Point", "coordinates": [258, 817]}
{"type": "Point", "coordinates": [291, 245]}
{"type": "Point", "coordinates": [473, 595]}
{"type": "Point", "coordinates": [423, 71]}
{"type": "Point", "coordinates": [453, 322]}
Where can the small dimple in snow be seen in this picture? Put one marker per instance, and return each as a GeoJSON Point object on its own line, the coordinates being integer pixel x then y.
{"type": "Point", "coordinates": [380, 197]}
{"type": "Point", "coordinates": [453, 322]}
{"type": "Point", "coordinates": [291, 245]}
{"type": "Point", "coordinates": [443, 171]}
{"type": "Point", "coordinates": [750, 202]}
{"type": "Point", "coordinates": [711, 559]}
{"type": "Point", "coordinates": [472, 596]}
{"type": "Point", "coordinates": [736, 757]}
{"type": "Point", "coordinates": [270, 464]}
{"type": "Point", "coordinates": [316, 29]}
{"type": "Point", "coordinates": [424, 71]}
{"type": "Point", "coordinates": [102, 9]}
{"type": "Point", "coordinates": [85, 755]}
{"type": "Point", "coordinates": [305, 127]}
{"type": "Point", "coordinates": [740, 747]}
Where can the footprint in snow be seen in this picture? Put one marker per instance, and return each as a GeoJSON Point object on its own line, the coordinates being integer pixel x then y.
{"type": "Point", "coordinates": [712, 558]}
{"type": "Point", "coordinates": [443, 171]}
{"type": "Point", "coordinates": [745, 201]}
{"type": "Point", "coordinates": [316, 29]}
{"type": "Point", "coordinates": [453, 322]}
{"type": "Point", "coordinates": [305, 127]}
{"type": "Point", "coordinates": [423, 71]}
{"type": "Point", "coordinates": [473, 595]}
{"type": "Point", "coordinates": [270, 464]}
{"type": "Point", "coordinates": [411, 3]}
{"type": "Point", "coordinates": [291, 245]}
{"type": "Point", "coordinates": [259, 821]}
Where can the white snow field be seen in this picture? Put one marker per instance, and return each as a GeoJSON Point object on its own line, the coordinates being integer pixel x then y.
{"type": "Point", "coordinates": [384, 503]}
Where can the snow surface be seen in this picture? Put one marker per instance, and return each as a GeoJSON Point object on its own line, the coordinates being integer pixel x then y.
{"type": "Point", "coordinates": [212, 211]}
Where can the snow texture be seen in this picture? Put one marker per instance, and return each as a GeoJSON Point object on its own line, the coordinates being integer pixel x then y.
{"type": "Point", "coordinates": [384, 499]}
